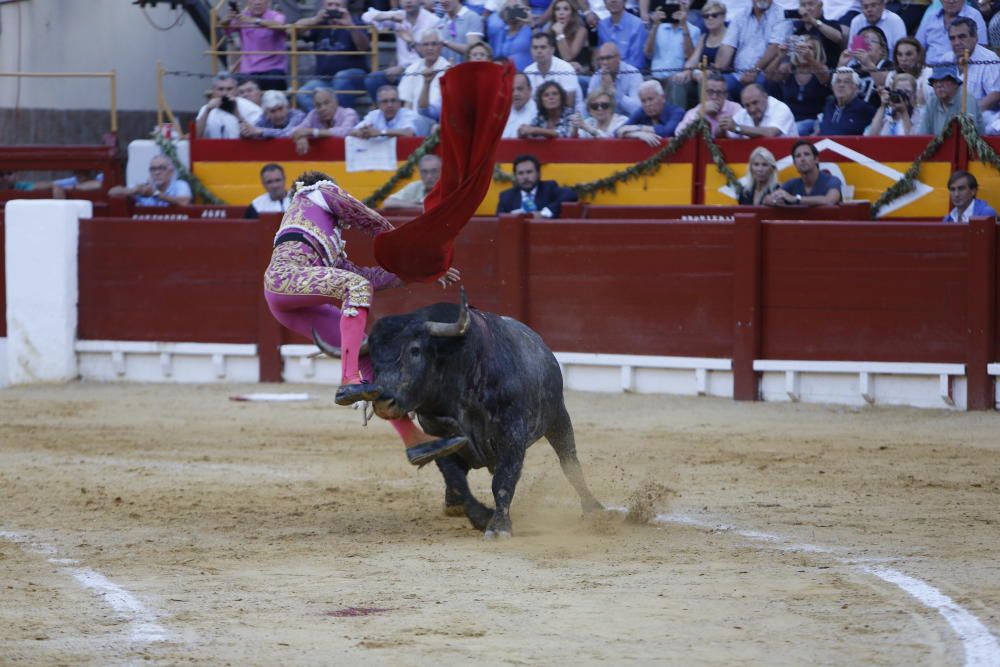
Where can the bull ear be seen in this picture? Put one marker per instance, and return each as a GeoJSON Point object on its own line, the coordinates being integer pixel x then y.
{"type": "Point", "coordinates": [457, 328]}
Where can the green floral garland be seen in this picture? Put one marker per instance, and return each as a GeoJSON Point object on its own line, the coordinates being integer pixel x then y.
{"type": "Point", "coordinates": [982, 150]}
{"type": "Point", "coordinates": [720, 160]}
{"type": "Point", "coordinates": [908, 181]}
{"type": "Point", "coordinates": [406, 170]}
{"type": "Point", "coordinates": [198, 188]}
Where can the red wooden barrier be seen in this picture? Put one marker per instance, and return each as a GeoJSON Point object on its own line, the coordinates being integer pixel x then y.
{"type": "Point", "coordinates": [850, 211]}
{"type": "Point", "coordinates": [64, 158]}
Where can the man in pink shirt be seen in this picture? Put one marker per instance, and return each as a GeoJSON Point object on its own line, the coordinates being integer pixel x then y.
{"type": "Point", "coordinates": [716, 106]}
{"type": "Point", "coordinates": [327, 119]}
{"type": "Point", "coordinates": [261, 29]}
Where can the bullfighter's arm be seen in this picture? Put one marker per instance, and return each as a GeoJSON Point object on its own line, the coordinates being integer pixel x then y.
{"type": "Point", "coordinates": [377, 276]}
{"type": "Point", "coordinates": [352, 213]}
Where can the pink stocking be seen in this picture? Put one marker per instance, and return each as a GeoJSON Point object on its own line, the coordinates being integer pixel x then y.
{"type": "Point", "coordinates": [408, 431]}
{"type": "Point", "coordinates": [352, 333]}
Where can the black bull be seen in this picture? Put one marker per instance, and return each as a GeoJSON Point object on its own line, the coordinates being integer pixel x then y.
{"type": "Point", "coordinates": [487, 377]}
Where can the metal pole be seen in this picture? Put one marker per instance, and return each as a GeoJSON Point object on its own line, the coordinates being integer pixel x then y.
{"type": "Point", "coordinates": [965, 81]}
{"type": "Point", "coordinates": [159, 92]}
{"type": "Point", "coordinates": [701, 86]}
{"type": "Point", "coordinates": [114, 101]}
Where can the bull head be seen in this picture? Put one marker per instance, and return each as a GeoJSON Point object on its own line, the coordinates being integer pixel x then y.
{"type": "Point", "coordinates": [457, 328]}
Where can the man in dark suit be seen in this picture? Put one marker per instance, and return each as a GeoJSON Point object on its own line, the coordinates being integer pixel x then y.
{"type": "Point", "coordinates": [541, 199]}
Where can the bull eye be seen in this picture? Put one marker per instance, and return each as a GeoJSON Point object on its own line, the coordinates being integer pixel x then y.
{"type": "Point", "coordinates": [414, 350]}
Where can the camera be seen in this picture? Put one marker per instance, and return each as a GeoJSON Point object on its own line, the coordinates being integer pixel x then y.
{"type": "Point", "coordinates": [332, 14]}
{"type": "Point", "coordinates": [515, 12]}
{"type": "Point", "coordinates": [228, 104]}
{"type": "Point", "coordinates": [792, 14]}
{"type": "Point", "coordinates": [899, 97]}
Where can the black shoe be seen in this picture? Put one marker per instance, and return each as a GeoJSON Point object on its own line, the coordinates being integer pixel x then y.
{"type": "Point", "coordinates": [422, 454]}
{"type": "Point", "coordinates": [349, 394]}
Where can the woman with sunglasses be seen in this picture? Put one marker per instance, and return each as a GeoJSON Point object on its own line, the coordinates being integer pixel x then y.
{"type": "Point", "coordinates": [554, 113]}
{"type": "Point", "coordinates": [706, 46]}
{"type": "Point", "coordinates": [602, 120]}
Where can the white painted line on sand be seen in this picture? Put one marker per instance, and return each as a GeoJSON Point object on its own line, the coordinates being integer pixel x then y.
{"type": "Point", "coordinates": [143, 627]}
{"type": "Point", "coordinates": [981, 648]}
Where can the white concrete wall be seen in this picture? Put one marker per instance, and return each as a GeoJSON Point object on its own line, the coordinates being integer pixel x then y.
{"type": "Point", "coordinates": [98, 35]}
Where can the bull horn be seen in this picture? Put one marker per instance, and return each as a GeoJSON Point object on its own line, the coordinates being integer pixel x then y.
{"type": "Point", "coordinates": [335, 352]}
{"type": "Point", "coordinates": [457, 328]}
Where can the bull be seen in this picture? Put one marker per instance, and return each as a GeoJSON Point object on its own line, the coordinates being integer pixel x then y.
{"type": "Point", "coordinates": [490, 378]}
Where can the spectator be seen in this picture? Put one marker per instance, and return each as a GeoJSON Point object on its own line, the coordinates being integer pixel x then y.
{"type": "Point", "coordinates": [275, 198]}
{"type": "Point", "coordinates": [389, 119]}
{"type": "Point", "coordinates": [994, 31]}
{"type": "Point", "coordinates": [845, 112]}
{"type": "Point", "coordinates": [278, 120]}
{"type": "Point", "coordinates": [801, 80]}
{"type": "Point", "coordinates": [220, 118]}
{"type": "Point", "coordinates": [602, 121]}
{"type": "Point", "coordinates": [897, 116]}
{"type": "Point", "coordinates": [572, 44]}
{"type": "Point", "coordinates": [249, 90]}
{"type": "Point", "coordinates": [813, 187]}
{"type": "Point", "coordinates": [669, 43]}
{"type": "Point", "coordinates": [874, 13]}
{"type": "Point", "coordinates": [870, 63]}
{"type": "Point", "coordinates": [706, 46]}
{"type": "Point", "coordinates": [410, 20]}
{"type": "Point", "coordinates": [761, 116]}
{"type": "Point", "coordinates": [461, 28]}
{"type": "Point", "coordinates": [523, 110]}
{"type": "Point", "coordinates": [947, 103]}
{"type": "Point", "coordinates": [982, 79]}
{"type": "Point", "coordinates": [831, 34]}
{"type": "Point", "coordinates": [510, 35]}
{"type": "Point", "coordinates": [261, 29]}
{"type": "Point", "coordinates": [480, 52]}
{"type": "Point", "coordinates": [540, 199]}
{"type": "Point", "coordinates": [933, 30]}
{"type": "Point", "coordinates": [546, 67]}
{"type": "Point", "coordinates": [162, 189]}
{"type": "Point", "coordinates": [422, 79]}
{"type": "Point", "coordinates": [963, 188]}
{"type": "Point", "coordinates": [654, 119]}
{"type": "Point", "coordinates": [751, 43]}
{"type": "Point", "coordinates": [554, 114]}
{"type": "Point", "coordinates": [761, 178]}
{"type": "Point", "coordinates": [620, 78]}
{"type": "Point", "coordinates": [327, 119]}
{"type": "Point", "coordinates": [8, 181]}
{"type": "Point", "coordinates": [717, 106]}
{"type": "Point", "coordinates": [908, 58]}
{"type": "Point", "coordinates": [338, 71]}
{"type": "Point", "coordinates": [626, 31]}
{"type": "Point", "coordinates": [412, 195]}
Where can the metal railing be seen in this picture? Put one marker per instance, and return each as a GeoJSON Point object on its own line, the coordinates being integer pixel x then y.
{"type": "Point", "coordinates": [112, 77]}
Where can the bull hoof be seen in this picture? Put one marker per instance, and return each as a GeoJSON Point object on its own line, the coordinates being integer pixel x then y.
{"type": "Point", "coordinates": [422, 454]}
{"type": "Point", "coordinates": [496, 535]}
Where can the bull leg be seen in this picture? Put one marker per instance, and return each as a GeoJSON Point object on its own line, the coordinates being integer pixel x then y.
{"type": "Point", "coordinates": [458, 498]}
{"type": "Point", "coordinates": [562, 439]}
{"type": "Point", "coordinates": [508, 472]}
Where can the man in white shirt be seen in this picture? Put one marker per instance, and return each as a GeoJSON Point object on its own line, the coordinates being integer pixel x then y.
{"type": "Point", "coordinates": [408, 22]}
{"type": "Point", "coordinates": [388, 119]}
{"type": "Point", "coordinates": [523, 109]}
{"type": "Point", "coordinates": [761, 116]}
{"type": "Point", "coordinates": [220, 118]}
{"type": "Point", "coordinates": [873, 12]}
{"type": "Point", "coordinates": [275, 197]}
{"type": "Point", "coordinates": [412, 195]}
{"type": "Point", "coordinates": [547, 67]}
{"type": "Point", "coordinates": [982, 83]}
{"type": "Point", "coordinates": [413, 82]}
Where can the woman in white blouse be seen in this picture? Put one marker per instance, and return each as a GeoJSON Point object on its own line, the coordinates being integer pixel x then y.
{"type": "Point", "coordinates": [601, 121]}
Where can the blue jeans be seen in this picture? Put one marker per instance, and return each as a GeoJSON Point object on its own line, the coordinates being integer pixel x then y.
{"type": "Point", "coordinates": [806, 127]}
{"type": "Point", "coordinates": [345, 79]}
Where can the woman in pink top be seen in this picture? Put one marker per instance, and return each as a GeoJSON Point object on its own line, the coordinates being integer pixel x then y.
{"type": "Point", "coordinates": [260, 29]}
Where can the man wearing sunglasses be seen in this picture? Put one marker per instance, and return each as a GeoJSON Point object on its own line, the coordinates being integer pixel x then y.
{"type": "Point", "coordinates": [162, 189]}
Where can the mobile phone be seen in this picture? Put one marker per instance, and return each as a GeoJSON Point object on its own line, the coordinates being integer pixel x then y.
{"type": "Point", "coordinates": [859, 43]}
{"type": "Point", "coordinates": [792, 14]}
{"type": "Point", "coordinates": [668, 9]}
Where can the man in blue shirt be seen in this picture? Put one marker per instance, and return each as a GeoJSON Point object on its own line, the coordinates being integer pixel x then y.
{"type": "Point", "coordinates": [813, 187]}
{"type": "Point", "coordinates": [963, 188]}
{"type": "Point", "coordinates": [162, 189]}
{"type": "Point", "coordinates": [845, 112]}
{"type": "Point", "coordinates": [626, 30]}
{"type": "Point", "coordinates": [655, 119]}
{"type": "Point", "coordinates": [338, 71]}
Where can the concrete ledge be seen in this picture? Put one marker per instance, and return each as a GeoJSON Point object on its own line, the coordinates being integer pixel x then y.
{"type": "Point", "coordinates": [142, 361]}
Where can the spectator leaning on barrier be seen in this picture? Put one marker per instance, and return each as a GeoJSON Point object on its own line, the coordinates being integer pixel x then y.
{"type": "Point", "coordinates": [655, 118]}
{"type": "Point", "coordinates": [717, 106]}
{"type": "Point", "coordinates": [278, 120]}
{"type": "Point", "coordinates": [407, 22]}
{"type": "Point", "coordinates": [626, 30]}
{"type": "Point", "coordinates": [897, 116]}
{"type": "Point", "coordinates": [962, 189]}
{"type": "Point", "coordinates": [389, 119]}
{"type": "Point", "coordinates": [275, 198]}
{"type": "Point", "coordinates": [338, 71]}
{"type": "Point", "coordinates": [327, 119]}
{"type": "Point", "coordinates": [523, 110]}
{"type": "Point", "coordinates": [412, 195]}
{"type": "Point", "coordinates": [531, 195]}
{"type": "Point", "coordinates": [761, 116]}
{"type": "Point", "coordinates": [761, 178]}
{"type": "Point", "coordinates": [751, 43]}
{"type": "Point", "coordinates": [845, 113]}
{"type": "Point", "coordinates": [554, 114]}
{"type": "Point", "coordinates": [933, 30]}
{"type": "Point", "coordinates": [947, 102]}
{"type": "Point", "coordinates": [669, 44]}
{"type": "Point", "coordinates": [460, 28]}
{"type": "Point", "coordinates": [801, 80]}
{"type": "Point", "coordinates": [874, 13]}
{"type": "Point", "coordinates": [813, 187]}
{"type": "Point", "coordinates": [547, 67]}
{"type": "Point", "coordinates": [620, 78]}
{"type": "Point", "coordinates": [601, 122]}
{"type": "Point", "coordinates": [220, 118]}
{"type": "Point", "coordinates": [162, 189]}
{"type": "Point", "coordinates": [982, 83]}
{"type": "Point", "coordinates": [261, 29]}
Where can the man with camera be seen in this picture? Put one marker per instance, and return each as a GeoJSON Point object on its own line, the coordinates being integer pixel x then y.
{"type": "Point", "coordinates": [260, 29]}
{"type": "Point", "coordinates": [330, 31]}
{"type": "Point", "coordinates": [809, 21]}
{"type": "Point", "coordinates": [220, 118]}
{"type": "Point", "coordinates": [670, 41]}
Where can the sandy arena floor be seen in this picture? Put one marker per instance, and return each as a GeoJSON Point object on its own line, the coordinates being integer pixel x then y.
{"type": "Point", "coordinates": [169, 525]}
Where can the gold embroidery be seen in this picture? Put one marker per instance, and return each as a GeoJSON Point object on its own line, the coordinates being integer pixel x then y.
{"type": "Point", "coordinates": [295, 218]}
{"type": "Point", "coordinates": [293, 271]}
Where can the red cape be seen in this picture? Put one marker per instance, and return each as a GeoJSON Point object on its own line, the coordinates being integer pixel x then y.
{"type": "Point", "coordinates": [475, 103]}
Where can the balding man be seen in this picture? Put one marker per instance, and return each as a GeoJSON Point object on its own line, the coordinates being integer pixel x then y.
{"type": "Point", "coordinates": [654, 119]}
{"type": "Point", "coordinates": [412, 195]}
{"type": "Point", "coordinates": [523, 109]}
{"type": "Point", "coordinates": [614, 75]}
{"type": "Point", "coordinates": [162, 189]}
{"type": "Point", "coordinates": [761, 116]}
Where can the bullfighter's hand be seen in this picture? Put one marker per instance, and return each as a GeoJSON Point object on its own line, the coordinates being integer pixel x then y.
{"type": "Point", "coordinates": [450, 277]}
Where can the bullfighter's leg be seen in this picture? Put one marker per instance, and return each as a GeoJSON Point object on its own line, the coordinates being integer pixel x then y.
{"type": "Point", "coordinates": [458, 498]}
{"type": "Point", "coordinates": [562, 439]}
{"type": "Point", "coordinates": [505, 478]}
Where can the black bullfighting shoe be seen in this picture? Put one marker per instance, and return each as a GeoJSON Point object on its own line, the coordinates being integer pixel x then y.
{"type": "Point", "coordinates": [349, 394]}
{"type": "Point", "coordinates": [422, 454]}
